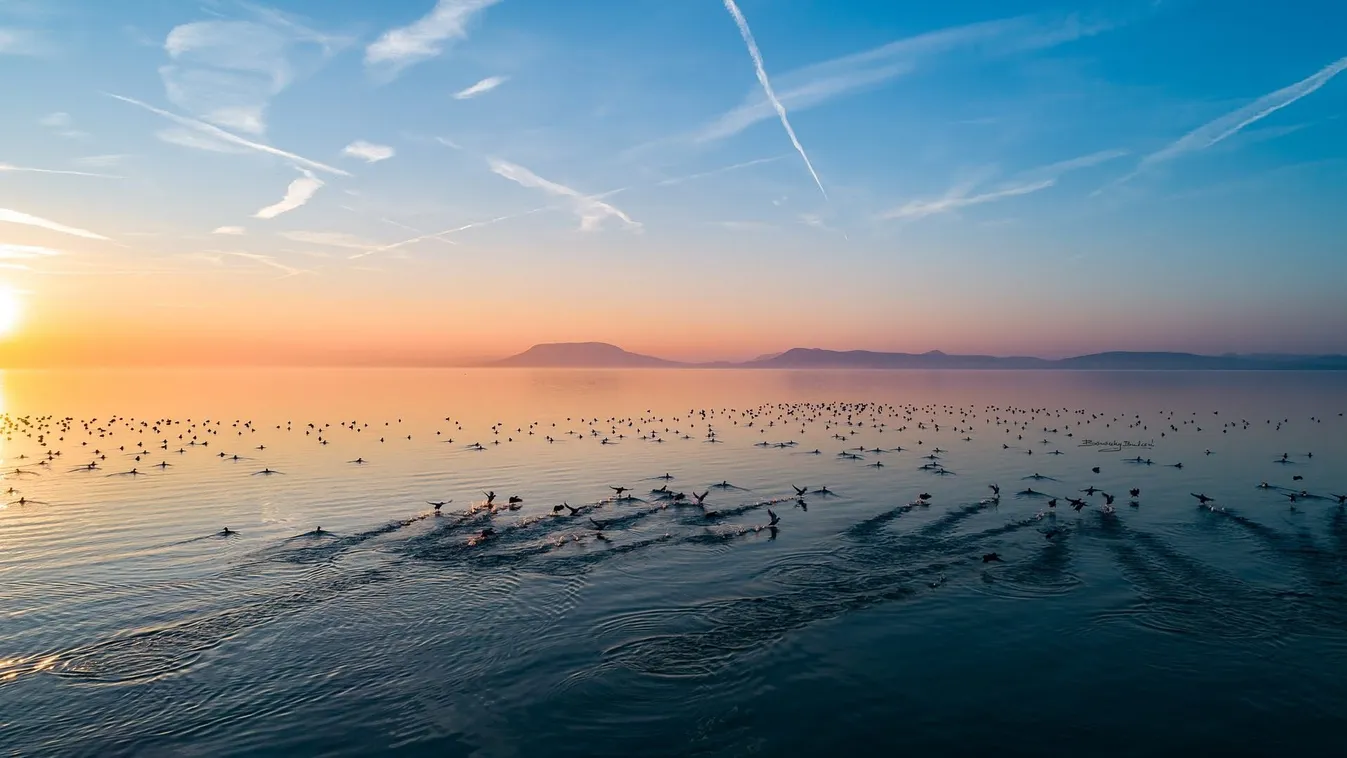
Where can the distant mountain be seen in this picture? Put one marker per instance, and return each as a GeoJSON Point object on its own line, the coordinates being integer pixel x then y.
{"type": "Point", "coordinates": [1192, 362]}
{"type": "Point", "coordinates": [582, 355]}
{"type": "Point", "coordinates": [802, 357]}
{"type": "Point", "coordinates": [603, 355]}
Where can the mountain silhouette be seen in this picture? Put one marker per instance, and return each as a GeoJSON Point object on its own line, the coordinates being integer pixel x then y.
{"type": "Point", "coordinates": [604, 355]}
{"type": "Point", "coordinates": [581, 355]}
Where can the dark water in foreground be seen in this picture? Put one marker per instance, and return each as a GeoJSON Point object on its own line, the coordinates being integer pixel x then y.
{"type": "Point", "coordinates": [866, 623]}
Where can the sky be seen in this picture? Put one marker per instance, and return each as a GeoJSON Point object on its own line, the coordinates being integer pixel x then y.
{"type": "Point", "coordinates": [414, 182]}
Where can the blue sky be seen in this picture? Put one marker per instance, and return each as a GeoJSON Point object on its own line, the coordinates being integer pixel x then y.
{"type": "Point", "coordinates": [1004, 177]}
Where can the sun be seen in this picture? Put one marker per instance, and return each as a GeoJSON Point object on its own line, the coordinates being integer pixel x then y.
{"type": "Point", "coordinates": [11, 310]}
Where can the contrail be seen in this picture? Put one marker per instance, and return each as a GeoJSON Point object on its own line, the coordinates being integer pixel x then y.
{"type": "Point", "coordinates": [767, 89]}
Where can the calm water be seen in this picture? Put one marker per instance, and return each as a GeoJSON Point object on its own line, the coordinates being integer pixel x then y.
{"type": "Point", "coordinates": [865, 622]}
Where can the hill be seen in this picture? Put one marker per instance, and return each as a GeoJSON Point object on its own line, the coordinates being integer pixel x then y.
{"type": "Point", "coordinates": [581, 355]}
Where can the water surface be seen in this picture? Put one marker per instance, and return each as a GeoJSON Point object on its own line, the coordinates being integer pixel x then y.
{"type": "Point", "coordinates": [866, 621]}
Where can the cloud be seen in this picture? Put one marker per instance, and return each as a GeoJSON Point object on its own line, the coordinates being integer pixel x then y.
{"type": "Point", "coordinates": [297, 194]}
{"type": "Point", "coordinates": [233, 230]}
{"type": "Point", "coordinates": [714, 172]}
{"type": "Point", "coordinates": [1054, 170]}
{"type": "Point", "coordinates": [265, 260]}
{"type": "Point", "coordinates": [101, 161]}
{"type": "Point", "coordinates": [849, 74]}
{"type": "Point", "coordinates": [25, 252]}
{"type": "Point", "coordinates": [959, 198]}
{"type": "Point", "coordinates": [745, 226]}
{"type": "Point", "coordinates": [441, 234]}
{"type": "Point", "coordinates": [15, 217]}
{"type": "Point", "coordinates": [218, 136]}
{"type": "Point", "coordinates": [1028, 182]}
{"type": "Point", "coordinates": [423, 39]}
{"type": "Point", "coordinates": [20, 42]}
{"type": "Point", "coordinates": [330, 239]}
{"type": "Point", "coordinates": [368, 151]}
{"type": "Point", "coordinates": [1231, 123]}
{"type": "Point", "coordinates": [227, 71]}
{"type": "Point", "coordinates": [8, 167]}
{"type": "Point", "coordinates": [591, 210]}
{"type": "Point", "coordinates": [197, 141]}
{"type": "Point", "coordinates": [63, 125]}
{"type": "Point", "coordinates": [481, 88]}
{"type": "Point", "coordinates": [767, 89]}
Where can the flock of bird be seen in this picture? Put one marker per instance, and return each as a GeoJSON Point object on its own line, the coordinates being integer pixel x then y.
{"type": "Point", "coordinates": [147, 445]}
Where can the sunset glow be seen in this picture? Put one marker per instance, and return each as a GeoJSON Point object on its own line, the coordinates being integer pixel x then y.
{"type": "Point", "coordinates": [346, 183]}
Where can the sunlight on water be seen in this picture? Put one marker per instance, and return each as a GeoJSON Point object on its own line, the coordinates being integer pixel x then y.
{"type": "Point", "coordinates": [805, 601]}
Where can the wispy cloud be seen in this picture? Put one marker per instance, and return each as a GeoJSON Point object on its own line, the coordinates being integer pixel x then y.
{"type": "Point", "coordinates": [767, 89]}
{"type": "Point", "coordinates": [424, 38]}
{"type": "Point", "coordinates": [819, 83]}
{"type": "Point", "coordinates": [25, 252]}
{"type": "Point", "coordinates": [297, 194]}
{"type": "Point", "coordinates": [15, 217]}
{"type": "Point", "coordinates": [1231, 123]}
{"type": "Point", "coordinates": [442, 235]}
{"type": "Point", "coordinates": [745, 226]}
{"type": "Point", "coordinates": [330, 239]}
{"type": "Point", "coordinates": [959, 198]}
{"type": "Point", "coordinates": [817, 221]}
{"type": "Point", "coordinates": [63, 125]}
{"type": "Point", "coordinates": [368, 151]}
{"type": "Point", "coordinates": [1054, 170]}
{"type": "Point", "coordinates": [480, 88]}
{"type": "Point", "coordinates": [266, 260]}
{"type": "Point", "coordinates": [230, 230]}
{"type": "Point", "coordinates": [220, 135]}
{"type": "Point", "coordinates": [101, 161]}
{"type": "Point", "coordinates": [716, 172]}
{"type": "Point", "coordinates": [591, 210]}
{"type": "Point", "coordinates": [226, 71]}
{"type": "Point", "coordinates": [1028, 182]}
{"type": "Point", "coordinates": [9, 167]}
{"type": "Point", "coordinates": [20, 42]}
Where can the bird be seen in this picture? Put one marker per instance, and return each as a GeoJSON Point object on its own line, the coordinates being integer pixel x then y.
{"type": "Point", "coordinates": [1134, 492]}
{"type": "Point", "coordinates": [1342, 499]}
{"type": "Point", "coordinates": [799, 490]}
{"type": "Point", "coordinates": [1203, 499]}
{"type": "Point", "coordinates": [515, 500]}
{"type": "Point", "coordinates": [600, 525]}
{"type": "Point", "coordinates": [701, 499]}
{"type": "Point", "coordinates": [995, 488]}
{"type": "Point", "coordinates": [1095, 469]}
{"type": "Point", "coordinates": [438, 504]}
{"type": "Point", "coordinates": [990, 557]}
{"type": "Point", "coordinates": [775, 519]}
{"type": "Point", "coordinates": [619, 490]}
{"type": "Point", "coordinates": [490, 497]}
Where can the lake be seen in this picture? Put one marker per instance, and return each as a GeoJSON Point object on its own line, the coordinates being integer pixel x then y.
{"type": "Point", "coordinates": [868, 620]}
